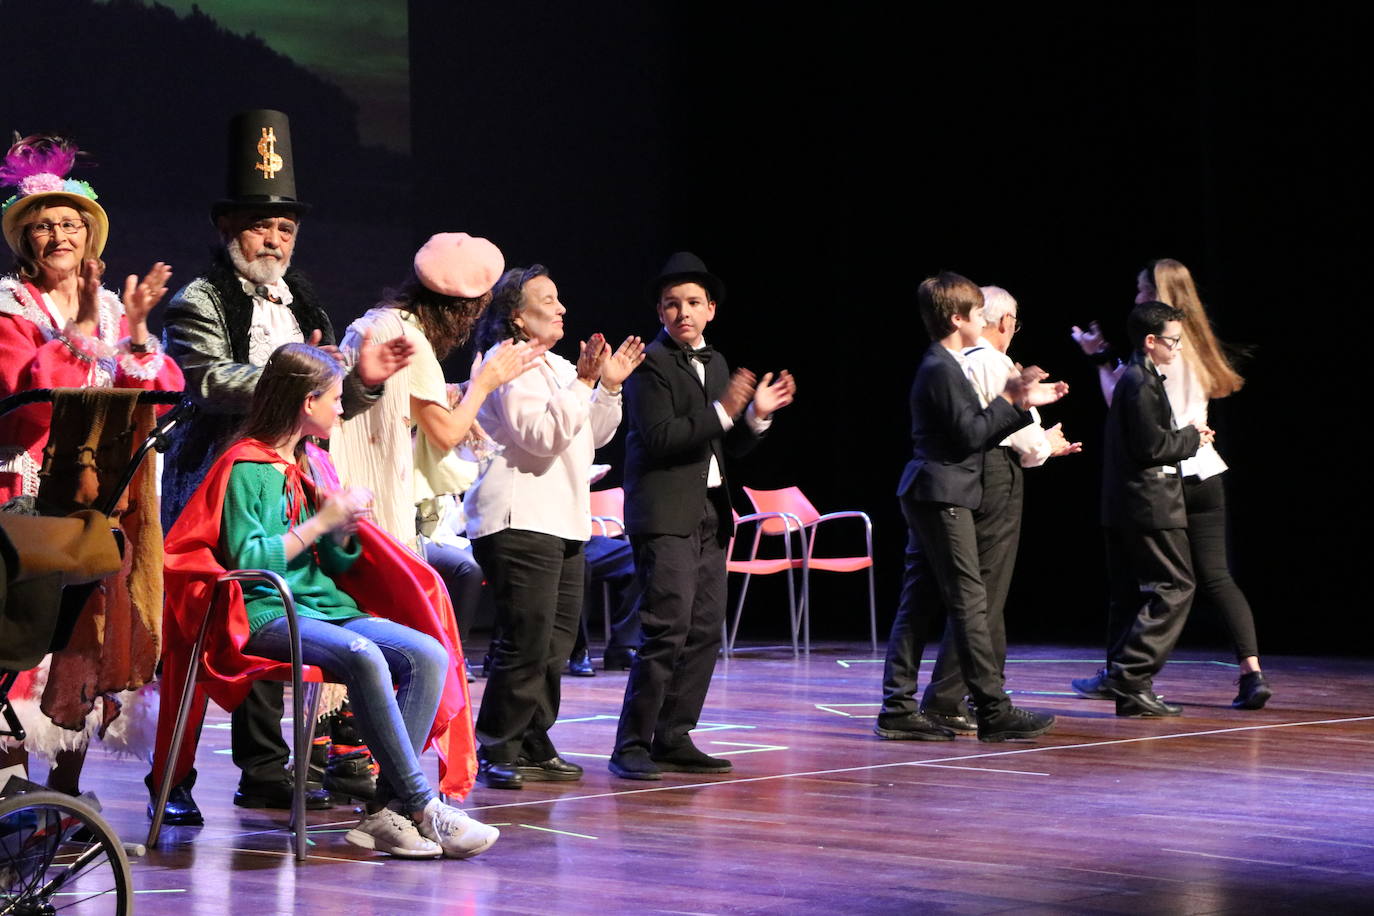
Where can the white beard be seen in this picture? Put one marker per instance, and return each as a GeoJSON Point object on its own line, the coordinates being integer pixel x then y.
{"type": "Point", "coordinates": [264, 270]}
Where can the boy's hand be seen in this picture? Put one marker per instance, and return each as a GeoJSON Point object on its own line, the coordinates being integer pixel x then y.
{"type": "Point", "coordinates": [739, 392]}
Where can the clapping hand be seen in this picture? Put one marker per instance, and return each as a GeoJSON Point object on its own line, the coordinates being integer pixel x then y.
{"type": "Point", "coordinates": [773, 393]}
{"type": "Point", "coordinates": [617, 366]}
{"type": "Point", "coordinates": [589, 358]}
{"type": "Point", "coordinates": [1092, 340]}
{"type": "Point", "coordinates": [378, 362]}
{"type": "Point", "coordinates": [1059, 445]}
{"type": "Point", "coordinates": [140, 297]}
{"type": "Point", "coordinates": [507, 362]}
{"type": "Point", "coordinates": [738, 393]}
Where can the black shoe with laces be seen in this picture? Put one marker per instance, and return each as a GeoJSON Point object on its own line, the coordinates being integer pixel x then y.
{"type": "Point", "coordinates": [1254, 691]}
{"type": "Point", "coordinates": [1014, 724]}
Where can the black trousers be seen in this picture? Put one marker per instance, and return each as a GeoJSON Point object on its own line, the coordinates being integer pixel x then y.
{"type": "Point", "coordinates": [255, 738]}
{"type": "Point", "coordinates": [1151, 579]}
{"type": "Point", "coordinates": [1206, 501]}
{"type": "Point", "coordinates": [611, 560]}
{"type": "Point", "coordinates": [942, 580]}
{"type": "Point", "coordinates": [463, 578]}
{"type": "Point", "coordinates": [997, 525]}
{"type": "Point", "coordinates": [537, 583]}
{"type": "Point", "coordinates": [681, 611]}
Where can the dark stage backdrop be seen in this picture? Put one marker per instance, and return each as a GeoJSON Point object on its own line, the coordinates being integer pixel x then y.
{"type": "Point", "coordinates": [822, 164]}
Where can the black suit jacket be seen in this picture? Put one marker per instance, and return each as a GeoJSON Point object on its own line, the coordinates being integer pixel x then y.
{"type": "Point", "coordinates": [673, 432]}
{"type": "Point", "coordinates": [950, 432]}
{"type": "Point", "coordinates": [1140, 443]}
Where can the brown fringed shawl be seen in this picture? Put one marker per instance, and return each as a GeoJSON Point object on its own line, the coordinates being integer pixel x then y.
{"type": "Point", "coordinates": [118, 638]}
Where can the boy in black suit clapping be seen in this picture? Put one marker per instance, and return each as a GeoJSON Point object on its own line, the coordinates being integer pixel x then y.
{"type": "Point", "coordinates": [939, 489]}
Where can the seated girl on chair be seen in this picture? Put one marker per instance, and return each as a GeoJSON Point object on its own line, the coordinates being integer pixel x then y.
{"type": "Point", "coordinates": [272, 501]}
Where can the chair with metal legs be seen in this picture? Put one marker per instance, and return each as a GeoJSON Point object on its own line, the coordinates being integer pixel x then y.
{"type": "Point", "coordinates": [608, 520]}
{"type": "Point", "coordinates": [304, 679]}
{"type": "Point", "coordinates": [790, 501]}
{"type": "Point", "coordinates": [755, 565]}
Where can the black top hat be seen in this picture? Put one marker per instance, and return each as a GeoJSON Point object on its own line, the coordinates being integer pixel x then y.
{"type": "Point", "coordinates": [687, 267]}
{"type": "Point", "coordinates": [261, 171]}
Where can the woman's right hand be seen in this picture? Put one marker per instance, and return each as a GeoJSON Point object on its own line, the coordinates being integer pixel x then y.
{"type": "Point", "coordinates": [88, 297]}
{"type": "Point", "coordinates": [589, 359]}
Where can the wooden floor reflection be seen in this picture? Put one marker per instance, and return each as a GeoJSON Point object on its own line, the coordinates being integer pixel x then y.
{"type": "Point", "coordinates": [1219, 811]}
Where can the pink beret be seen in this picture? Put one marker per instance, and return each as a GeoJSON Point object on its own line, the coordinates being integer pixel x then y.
{"type": "Point", "coordinates": [458, 264]}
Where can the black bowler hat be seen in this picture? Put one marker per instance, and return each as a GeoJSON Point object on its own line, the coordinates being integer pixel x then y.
{"type": "Point", "coordinates": [261, 173]}
{"type": "Point", "coordinates": [685, 267]}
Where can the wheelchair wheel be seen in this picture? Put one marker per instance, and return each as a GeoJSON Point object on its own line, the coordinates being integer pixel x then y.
{"type": "Point", "coordinates": [57, 855]}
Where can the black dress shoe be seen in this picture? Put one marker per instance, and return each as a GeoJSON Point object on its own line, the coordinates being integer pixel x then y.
{"type": "Point", "coordinates": [911, 726]}
{"type": "Point", "coordinates": [496, 775]}
{"type": "Point", "coordinates": [555, 769]}
{"type": "Point", "coordinates": [634, 764]}
{"type": "Point", "coordinates": [581, 666]}
{"type": "Point", "coordinates": [1093, 688]}
{"type": "Point", "coordinates": [962, 722]}
{"type": "Point", "coordinates": [1014, 724]}
{"type": "Point", "coordinates": [181, 810]}
{"type": "Point", "coordinates": [619, 659]}
{"type": "Point", "coordinates": [276, 793]}
{"type": "Point", "coordinates": [1143, 704]}
{"type": "Point", "coordinates": [1254, 691]}
{"type": "Point", "coordinates": [689, 759]}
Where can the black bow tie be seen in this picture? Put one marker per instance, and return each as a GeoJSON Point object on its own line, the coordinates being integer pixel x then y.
{"type": "Point", "coordinates": [704, 354]}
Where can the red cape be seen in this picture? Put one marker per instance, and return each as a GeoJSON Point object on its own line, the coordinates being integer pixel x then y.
{"type": "Point", "coordinates": [387, 580]}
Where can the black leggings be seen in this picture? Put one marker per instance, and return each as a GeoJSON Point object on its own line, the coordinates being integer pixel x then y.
{"type": "Point", "coordinates": [1206, 501]}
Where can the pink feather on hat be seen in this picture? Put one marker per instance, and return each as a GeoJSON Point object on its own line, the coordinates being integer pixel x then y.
{"type": "Point", "coordinates": [34, 158]}
{"type": "Point", "coordinates": [458, 264]}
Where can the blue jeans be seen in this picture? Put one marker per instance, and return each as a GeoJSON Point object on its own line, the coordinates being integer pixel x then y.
{"type": "Point", "coordinates": [369, 654]}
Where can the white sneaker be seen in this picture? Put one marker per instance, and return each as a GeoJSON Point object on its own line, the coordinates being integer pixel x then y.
{"type": "Point", "coordinates": [460, 836]}
{"type": "Point", "coordinates": [393, 833]}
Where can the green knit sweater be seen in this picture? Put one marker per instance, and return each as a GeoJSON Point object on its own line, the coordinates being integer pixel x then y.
{"type": "Point", "coordinates": [251, 532]}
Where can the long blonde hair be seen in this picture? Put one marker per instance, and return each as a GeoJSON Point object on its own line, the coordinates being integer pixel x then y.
{"type": "Point", "coordinates": [1173, 285]}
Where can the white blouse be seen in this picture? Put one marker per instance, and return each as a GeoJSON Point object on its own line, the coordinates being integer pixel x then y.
{"type": "Point", "coordinates": [1188, 401]}
{"type": "Point", "coordinates": [549, 426]}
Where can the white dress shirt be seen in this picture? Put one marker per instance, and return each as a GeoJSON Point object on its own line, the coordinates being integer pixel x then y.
{"type": "Point", "coordinates": [988, 368]}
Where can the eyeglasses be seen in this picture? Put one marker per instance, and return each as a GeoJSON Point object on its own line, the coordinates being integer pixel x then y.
{"type": "Point", "coordinates": [44, 229]}
{"type": "Point", "coordinates": [1173, 343]}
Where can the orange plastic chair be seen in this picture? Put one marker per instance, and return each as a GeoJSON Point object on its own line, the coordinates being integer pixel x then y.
{"type": "Point", "coordinates": [790, 501]}
{"type": "Point", "coordinates": [304, 680]}
{"type": "Point", "coordinates": [608, 520]}
{"type": "Point", "coordinates": [756, 566]}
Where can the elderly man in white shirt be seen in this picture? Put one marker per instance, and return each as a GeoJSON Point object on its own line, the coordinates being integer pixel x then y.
{"type": "Point", "coordinates": [997, 520]}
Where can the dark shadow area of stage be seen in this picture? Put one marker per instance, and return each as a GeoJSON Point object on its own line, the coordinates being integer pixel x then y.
{"type": "Point", "coordinates": [823, 165]}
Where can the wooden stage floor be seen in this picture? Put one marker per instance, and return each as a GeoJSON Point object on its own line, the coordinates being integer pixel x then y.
{"type": "Point", "coordinates": [1219, 811]}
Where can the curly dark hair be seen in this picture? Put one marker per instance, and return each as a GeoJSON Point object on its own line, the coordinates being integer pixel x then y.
{"type": "Point", "coordinates": [498, 322]}
{"type": "Point", "coordinates": [446, 320]}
